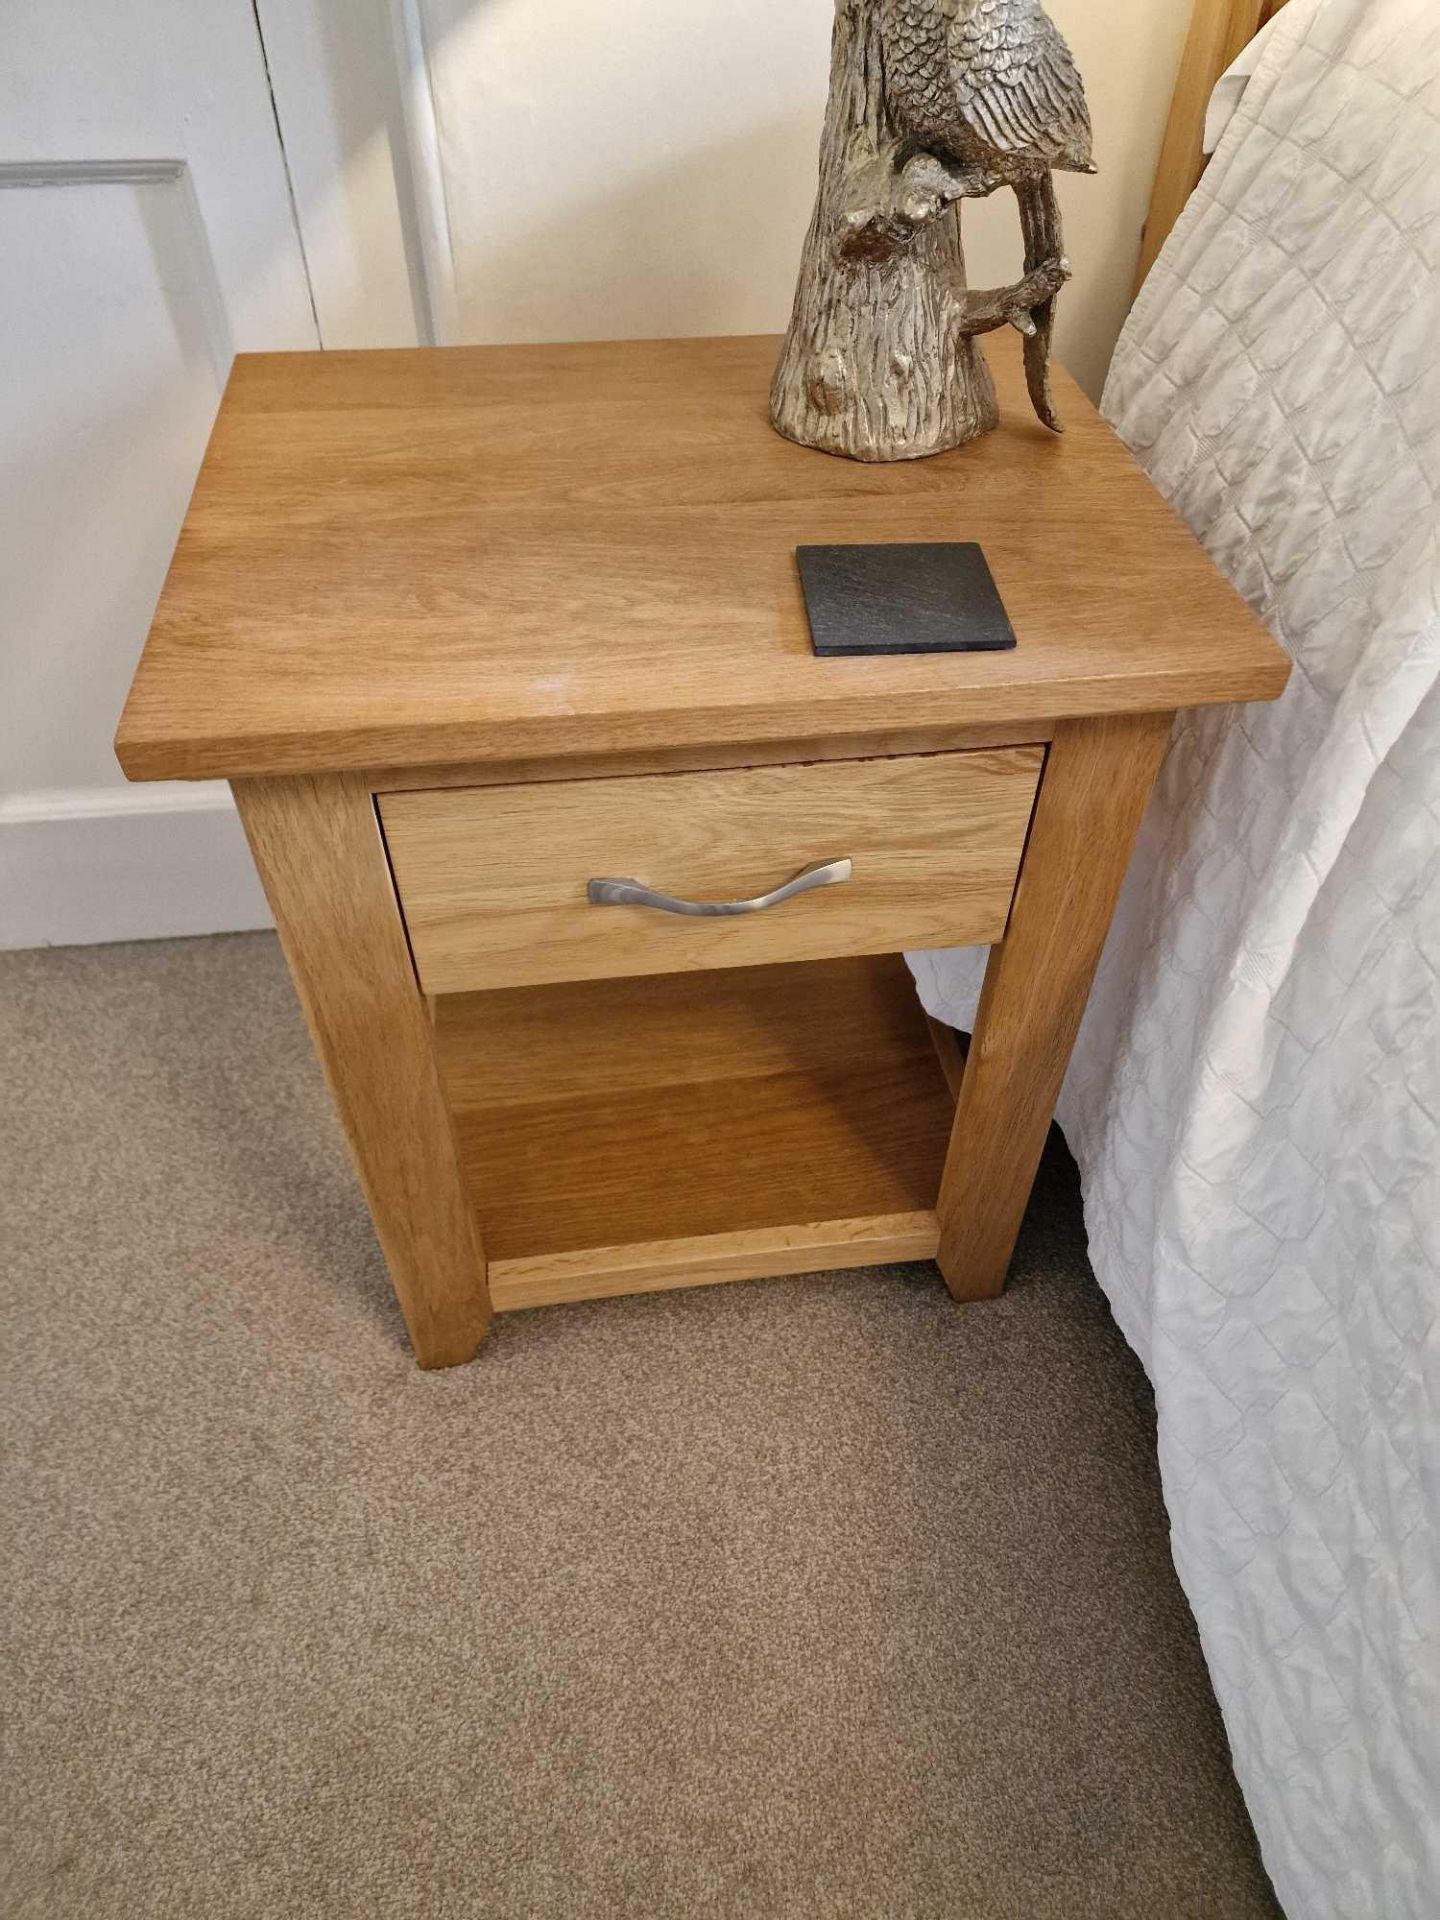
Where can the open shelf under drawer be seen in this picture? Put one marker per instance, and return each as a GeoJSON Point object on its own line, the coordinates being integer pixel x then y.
{"type": "Point", "coordinates": [628, 1135]}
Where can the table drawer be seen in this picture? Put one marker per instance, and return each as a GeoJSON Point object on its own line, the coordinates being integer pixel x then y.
{"type": "Point", "coordinates": [494, 881]}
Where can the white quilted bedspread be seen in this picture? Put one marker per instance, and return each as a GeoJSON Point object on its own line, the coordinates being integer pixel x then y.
{"type": "Point", "coordinates": [1255, 1100]}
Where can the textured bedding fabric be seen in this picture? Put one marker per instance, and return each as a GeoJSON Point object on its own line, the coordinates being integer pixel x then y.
{"type": "Point", "coordinates": [1255, 1097]}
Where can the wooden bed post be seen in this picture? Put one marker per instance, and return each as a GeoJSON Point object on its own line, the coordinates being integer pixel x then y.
{"type": "Point", "coordinates": [1220, 31]}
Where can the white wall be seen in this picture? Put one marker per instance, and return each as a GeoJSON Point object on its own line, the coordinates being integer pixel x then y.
{"type": "Point", "coordinates": [648, 168]}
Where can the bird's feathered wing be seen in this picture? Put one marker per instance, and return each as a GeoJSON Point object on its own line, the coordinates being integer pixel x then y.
{"type": "Point", "coordinates": [1017, 84]}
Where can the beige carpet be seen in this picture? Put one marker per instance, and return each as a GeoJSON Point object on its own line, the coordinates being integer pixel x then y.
{"type": "Point", "coordinates": [806, 1598]}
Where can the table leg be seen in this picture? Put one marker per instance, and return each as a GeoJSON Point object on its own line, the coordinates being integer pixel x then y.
{"type": "Point", "coordinates": [318, 846]}
{"type": "Point", "coordinates": [1097, 781]}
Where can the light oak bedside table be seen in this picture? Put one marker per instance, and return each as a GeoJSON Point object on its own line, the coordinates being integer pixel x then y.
{"type": "Point", "coordinates": [469, 629]}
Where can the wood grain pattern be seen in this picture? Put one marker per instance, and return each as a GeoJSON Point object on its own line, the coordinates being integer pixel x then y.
{"type": "Point", "coordinates": [390, 561]}
{"type": "Point", "coordinates": [317, 844]}
{"type": "Point", "coordinates": [618, 1113]}
{"type": "Point", "coordinates": [902, 743]}
{"type": "Point", "coordinates": [1097, 782]}
{"type": "Point", "coordinates": [1220, 31]}
{"type": "Point", "coordinates": [602, 1273]}
{"type": "Point", "coordinates": [493, 880]}
{"type": "Point", "coordinates": [950, 1052]}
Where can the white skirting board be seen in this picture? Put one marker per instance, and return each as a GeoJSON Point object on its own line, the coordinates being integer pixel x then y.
{"type": "Point", "coordinates": [138, 863]}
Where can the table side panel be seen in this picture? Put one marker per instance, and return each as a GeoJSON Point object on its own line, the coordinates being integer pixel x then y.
{"type": "Point", "coordinates": [661, 1266]}
{"type": "Point", "coordinates": [319, 850]}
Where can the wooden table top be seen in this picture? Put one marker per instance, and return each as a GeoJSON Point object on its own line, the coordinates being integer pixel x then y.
{"type": "Point", "coordinates": [418, 557]}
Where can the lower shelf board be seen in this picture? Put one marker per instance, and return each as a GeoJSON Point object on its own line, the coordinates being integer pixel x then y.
{"type": "Point", "coordinates": [602, 1273]}
{"type": "Point", "coordinates": [628, 1135]}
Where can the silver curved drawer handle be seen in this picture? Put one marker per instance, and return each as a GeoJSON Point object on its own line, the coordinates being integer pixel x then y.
{"type": "Point", "coordinates": [630, 893]}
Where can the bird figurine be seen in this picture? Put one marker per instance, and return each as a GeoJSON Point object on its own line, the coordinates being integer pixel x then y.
{"type": "Point", "coordinates": [985, 94]}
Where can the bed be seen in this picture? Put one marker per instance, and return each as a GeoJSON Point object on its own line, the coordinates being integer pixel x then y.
{"type": "Point", "coordinates": [1255, 1099]}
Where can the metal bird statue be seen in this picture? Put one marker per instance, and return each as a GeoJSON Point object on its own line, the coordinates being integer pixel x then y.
{"type": "Point", "coordinates": [985, 94]}
{"type": "Point", "coordinates": [932, 102]}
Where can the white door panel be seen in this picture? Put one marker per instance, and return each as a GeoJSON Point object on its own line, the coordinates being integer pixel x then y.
{"type": "Point", "coordinates": [154, 80]}
{"type": "Point", "coordinates": [147, 233]}
{"type": "Point", "coordinates": [332, 65]}
{"type": "Point", "coordinates": [116, 349]}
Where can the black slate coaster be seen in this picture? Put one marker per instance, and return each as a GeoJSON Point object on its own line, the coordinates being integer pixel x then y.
{"type": "Point", "coordinates": [903, 599]}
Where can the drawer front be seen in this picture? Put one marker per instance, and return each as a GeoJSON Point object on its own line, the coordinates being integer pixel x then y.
{"type": "Point", "coordinates": [494, 881]}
